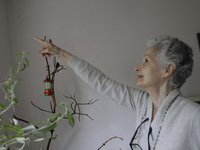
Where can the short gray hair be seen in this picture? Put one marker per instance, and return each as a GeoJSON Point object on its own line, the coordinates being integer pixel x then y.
{"type": "Point", "coordinates": [173, 51]}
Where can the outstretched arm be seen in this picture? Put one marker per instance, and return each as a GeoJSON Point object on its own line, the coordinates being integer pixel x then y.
{"type": "Point", "coordinates": [49, 49]}
{"type": "Point", "coordinates": [120, 93]}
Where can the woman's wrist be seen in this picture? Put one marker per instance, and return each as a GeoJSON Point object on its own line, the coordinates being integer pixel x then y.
{"type": "Point", "coordinates": [65, 55]}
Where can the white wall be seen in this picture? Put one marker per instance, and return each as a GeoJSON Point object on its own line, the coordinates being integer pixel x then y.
{"type": "Point", "coordinates": [112, 36]}
{"type": "Point", "coordinates": [5, 42]}
{"type": "Point", "coordinates": [6, 60]}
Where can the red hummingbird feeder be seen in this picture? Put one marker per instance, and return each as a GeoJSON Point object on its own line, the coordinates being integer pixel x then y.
{"type": "Point", "coordinates": [48, 90]}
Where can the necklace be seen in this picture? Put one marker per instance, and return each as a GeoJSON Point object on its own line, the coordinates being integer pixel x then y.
{"type": "Point", "coordinates": [161, 124]}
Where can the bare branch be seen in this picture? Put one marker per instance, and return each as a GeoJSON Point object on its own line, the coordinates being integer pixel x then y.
{"type": "Point", "coordinates": [41, 108]}
{"type": "Point", "coordinates": [23, 120]}
{"type": "Point", "coordinates": [89, 103]}
{"type": "Point", "coordinates": [108, 141]}
{"type": "Point", "coordinates": [74, 106]}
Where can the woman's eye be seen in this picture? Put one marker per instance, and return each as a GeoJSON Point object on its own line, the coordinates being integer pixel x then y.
{"type": "Point", "coordinates": [145, 60]}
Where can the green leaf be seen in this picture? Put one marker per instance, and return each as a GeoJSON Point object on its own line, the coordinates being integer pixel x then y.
{"type": "Point", "coordinates": [6, 96]}
{"type": "Point", "coordinates": [53, 117]}
{"type": "Point", "coordinates": [18, 135]}
{"type": "Point", "coordinates": [30, 127]}
{"type": "Point", "coordinates": [20, 54]}
{"type": "Point", "coordinates": [70, 118]}
{"type": "Point", "coordinates": [21, 139]}
{"type": "Point", "coordinates": [11, 128]}
{"type": "Point", "coordinates": [55, 137]}
{"type": "Point", "coordinates": [7, 84]}
{"type": "Point", "coordinates": [23, 67]}
{"type": "Point", "coordinates": [46, 129]}
{"type": "Point", "coordinates": [15, 121]}
{"type": "Point", "coordinates": [48, 123]}
{"type": "Point", "coordinates": [2, 105]}
{"type": "Point", "coordinates": [37, 122]}
{"type": "Point", "coordinates": [5, 131]}
{"type": "Point", "coordinates": [27, 62]}
{"type": "Point", "coordinates": [39, 140]}
{"type": "Point", "coordinates": [12, 67]}
{"type": "Point", "coordinates": [16, 126]}
{"type": "Point", "coordinates": [15, 100]}
{"type": "Point", "coordinates": [62, 104]}
{"type": "Point", "coordinates": [3, 137]}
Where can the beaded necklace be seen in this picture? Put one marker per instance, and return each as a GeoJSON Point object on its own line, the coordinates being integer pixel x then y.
{"type": "Point", "coordinates": [161, 124]}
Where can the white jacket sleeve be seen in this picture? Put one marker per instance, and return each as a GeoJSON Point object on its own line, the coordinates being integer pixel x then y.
{"type": "Point", "coordinates": [120, 93]}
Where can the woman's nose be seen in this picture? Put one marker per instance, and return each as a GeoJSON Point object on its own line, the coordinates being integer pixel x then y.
{"type": "Point", "coordinates": [137, 68]}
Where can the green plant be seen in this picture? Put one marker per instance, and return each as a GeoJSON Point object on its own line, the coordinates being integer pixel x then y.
{"type": "Point", "coordinates": [8, 88]}
{"type": "Point", "coordinates": [21, 131]}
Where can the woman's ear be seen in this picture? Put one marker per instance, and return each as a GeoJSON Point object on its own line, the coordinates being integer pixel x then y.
{"type": "Point", "coordinates": [169, 70]}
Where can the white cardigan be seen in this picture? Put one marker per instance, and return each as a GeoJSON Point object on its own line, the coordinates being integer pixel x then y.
{"type": "Point", "coordinates": [181, 126]}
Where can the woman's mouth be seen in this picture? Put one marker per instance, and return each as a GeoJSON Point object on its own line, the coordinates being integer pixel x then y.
{"type": "Point", "coordinates": [140, 76]}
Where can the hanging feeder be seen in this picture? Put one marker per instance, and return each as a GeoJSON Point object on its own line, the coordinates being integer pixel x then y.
{"type": "Point", "coordinates": [48, 90]}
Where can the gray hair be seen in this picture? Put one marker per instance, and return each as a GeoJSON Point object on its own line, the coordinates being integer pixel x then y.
{"type": "Point", "coordinates": [173, 51]}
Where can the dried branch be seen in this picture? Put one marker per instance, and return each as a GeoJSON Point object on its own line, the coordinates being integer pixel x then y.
{"type": "Point", "coordinates": [51, 106]}
{"type": "Point", "coordinates": [41, 108]}
{"type": "Point", "coordinates": [23, 120]}
{"type": "Point", "coordinates": [77, 105]}
{"type": "Point", "coordinates": [108, 141]}
{"type": "Point", "coordinates": [89, 103]}
{"type": "Point", "coordinates": [54, 103]}
{"type": "Point", "coordinates": [49, 142]}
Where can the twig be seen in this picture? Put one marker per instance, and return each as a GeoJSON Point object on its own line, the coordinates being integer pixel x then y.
{"type": "Point", "coordinates": [49, 142]}
{"type": "Point", "coordinates": [108, 141]}
{"type": "Point", "coordinates": [23, 120]}
{"type": "Point", "coordinates": [51, 106]}
{"type": "Point", "coordinates": [89, 103]}
{"type": "Point", "coordinates": [54, 103]}
{"type": "Point", "coordinates": [74, 107]}
{"type": "Point", "coordinates": [41, 108]}
{"type": "Point", "coordinates": [74, 110]}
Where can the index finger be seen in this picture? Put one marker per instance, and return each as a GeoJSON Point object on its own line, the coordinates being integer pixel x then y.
{"type": "Point", "coordinates": [39, 40]}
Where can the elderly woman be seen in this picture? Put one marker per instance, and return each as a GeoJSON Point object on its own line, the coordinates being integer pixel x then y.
{"type": "Point", "coordinates": [165, 119]}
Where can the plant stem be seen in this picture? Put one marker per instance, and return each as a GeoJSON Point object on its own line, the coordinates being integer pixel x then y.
{"type": "Point", "coordinates": [54, 103]}
{"type": "Point", "coordinates": [49, 142]}
{"type": "Point", "coordinates": [108, 141]}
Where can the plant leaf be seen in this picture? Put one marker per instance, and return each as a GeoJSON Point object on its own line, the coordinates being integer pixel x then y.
{"type": "Point", "coordinates": [27, 62]}
{"type": "Point", "coordinates": [15, 121]}
{"type": "Point", "coordinates": [11, 128]}
{"type": "Point", "coordinates": [12, 67]}
{"type": "Point", "coordinates": [7, 84]}
{"type": "Point", "coordinates": [5, 131]}
{"type": "Point", "coordinates": [20, 54]}
{"type": "Point", "coordinates": [55, 137]}
{"type": "Point", "coordinates": [21, 139]}
{"type": "Point", "coordinates": [62, 104]}
{"type": "Point", "coordinates": [39, 140]}
{"type": "Point", "coordinates": [16, 126]}
{"type": "Point", "coordinates": [2, 105]}
{"type": "Point", "coordinates": [30, 127]}
{"type": "Point", "coordinates": [23, 67]}
{"type": "Point", "coordinates": [53, 117]}
{"type": "Point", "coordinates": [46, 129]}
{"type": "Point", "coordinates": [15, 100]}
{"type": "Point", "coordinates": [70, 118]}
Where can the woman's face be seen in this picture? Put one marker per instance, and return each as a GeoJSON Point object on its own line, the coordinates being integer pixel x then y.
{"type": "Point", "coordinates": [150, 74]}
